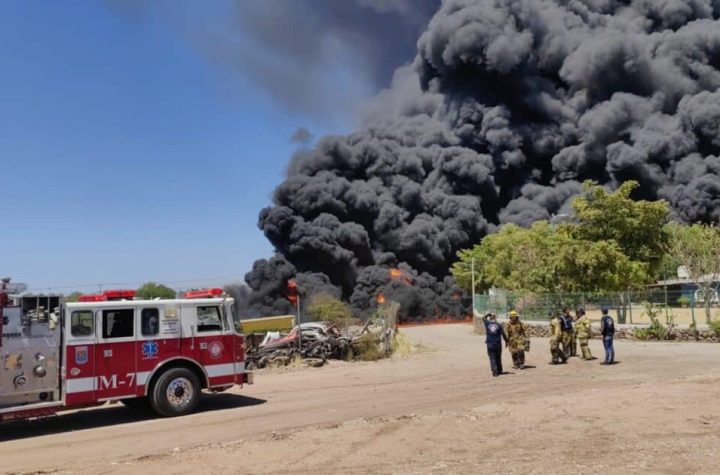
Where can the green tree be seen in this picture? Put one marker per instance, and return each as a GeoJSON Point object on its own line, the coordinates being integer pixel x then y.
{"type": "Point", "coordinates": [73, 296]}
{"type": "Point", "coordinates": [587, 266]}
{"type": "Point", "coordinates": [543, 258]}
{"type": "Point", "coordinates": [614, 243]}
{"type": "Point", "coordinates": [636, 226]}
{"type": "Point", "coordinates": [153, 290]}
{"type": "Point", "coordinates": [697, 248]}
{"type": "Point", "coordinates": [328, 308]}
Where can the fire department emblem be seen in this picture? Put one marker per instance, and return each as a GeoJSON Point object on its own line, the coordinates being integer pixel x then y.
{"type": "Point", "coordinates": [150, 349]}
{"type": "Point", "coordinates": [81, 354]}
{"type": "Point", "coordinates": [215, 349]}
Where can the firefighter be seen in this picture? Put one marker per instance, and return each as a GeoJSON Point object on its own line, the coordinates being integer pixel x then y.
{"type": "Point", "coordinates": [567, 332]}
{"type": "Point", "coordinates": [607, 330]}
{"type": "Point", "coordinates": [556, 334]}
{"type": "Point", "coordinates": [517, 340]}
{"type": "Point", "coordinates": [574, 337]}
{"type": "Point", "coordinates": [494, 335]}
{"type": "Point", "coordinates": [583, 328]}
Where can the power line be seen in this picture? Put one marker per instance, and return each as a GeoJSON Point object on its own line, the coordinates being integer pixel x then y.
{"type": "Point", "coordinates": [98, 285]}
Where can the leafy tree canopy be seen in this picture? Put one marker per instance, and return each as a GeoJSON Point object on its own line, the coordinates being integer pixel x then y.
{"type": "Point", "coordinates": [636, 226]}
{"type": "Point", "coordinates": [73, 296]}
{"type": "Point", "coordinates": [153, 290]}
{"type": "Point", "coordinates": [614, 243]}
{"type": "Point", "coordinates": [545, 259]}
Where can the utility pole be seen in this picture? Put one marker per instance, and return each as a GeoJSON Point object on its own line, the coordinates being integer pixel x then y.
{"type": "Point", "coordinates": [472, 266]}
{"type": "Point", "coordinates": [298, 324]}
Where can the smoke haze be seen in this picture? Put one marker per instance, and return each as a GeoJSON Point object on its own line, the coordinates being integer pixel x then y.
{"type": "Point", "coordinates": [289, 47]}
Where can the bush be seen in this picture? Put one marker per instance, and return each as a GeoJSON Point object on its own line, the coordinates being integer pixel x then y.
{"type": "Point", "coordinates": [367, 348]}
{"type": "Point", "coordinates": [653, 332]}
{"type": "Point", "coordinates": [683, 301]}
{"type": "Point", "coordinates": [656, 331]}
{"type": "Point", "coordinates": [715, 327]}
{"type": "Point", "coordinates": [329, 309]}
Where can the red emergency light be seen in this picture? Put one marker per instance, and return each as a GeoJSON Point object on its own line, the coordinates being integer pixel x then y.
{"type": "Point", "coordinates": [92, 298]}
{"type": "Point", "coordinates": [108, 295]}
{"type": "Point", "coordinates": [203, 293]}
{"type": "Point", "coordinates": [119, 294]}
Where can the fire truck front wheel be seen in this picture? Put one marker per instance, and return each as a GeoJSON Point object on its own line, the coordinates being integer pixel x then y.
{"type": "Point", "coordinates": [176, 392]}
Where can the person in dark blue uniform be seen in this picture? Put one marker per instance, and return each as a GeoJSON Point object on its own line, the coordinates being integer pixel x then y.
{"type": "Point", "coordinates": [494, 336]}
{"type": "Point", "coordinates": [607, 329]}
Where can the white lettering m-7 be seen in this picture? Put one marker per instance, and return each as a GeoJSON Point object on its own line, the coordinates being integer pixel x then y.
{"type": "Point", "coordinates": [106, 383]}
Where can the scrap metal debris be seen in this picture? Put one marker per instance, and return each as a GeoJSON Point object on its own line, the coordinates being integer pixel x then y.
{"type": "Point", "coordinates": [320, 341]}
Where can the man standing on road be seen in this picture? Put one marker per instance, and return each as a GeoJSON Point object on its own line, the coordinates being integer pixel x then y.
{"type": "Point", "coordinates": [583, 328]}
{"type": "Point", "coordinates": [567, 332]}
{"type": "Point", "coordinates": [517, 340]}
{"type": "Point", "coordinates": [494, 335]}
{"type": "Point", "coordinates": [607, 329]}
{"type": "Point", "coordinates": [556, 335]}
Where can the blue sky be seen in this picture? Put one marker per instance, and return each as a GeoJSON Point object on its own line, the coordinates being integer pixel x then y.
{"type": "Point", "coordinates": [128, 156]}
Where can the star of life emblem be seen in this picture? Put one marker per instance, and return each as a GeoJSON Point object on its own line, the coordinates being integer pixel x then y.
{"type": "Point", "coordinates": [150, 349]}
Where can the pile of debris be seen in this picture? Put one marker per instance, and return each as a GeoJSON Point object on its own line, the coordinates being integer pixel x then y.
{"type": "Point", "coordinates": [321, 341]}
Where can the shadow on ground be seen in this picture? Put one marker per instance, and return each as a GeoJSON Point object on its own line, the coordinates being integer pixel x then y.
{"type": "Point", "coordinates": [113, 414]}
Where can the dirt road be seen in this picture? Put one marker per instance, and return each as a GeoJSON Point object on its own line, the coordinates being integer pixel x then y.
{"type": "Point", "coordinates": [438, 410]}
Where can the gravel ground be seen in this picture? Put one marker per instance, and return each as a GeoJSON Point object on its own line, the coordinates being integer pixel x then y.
{"type": "Point", "coordinates": [435, 411]}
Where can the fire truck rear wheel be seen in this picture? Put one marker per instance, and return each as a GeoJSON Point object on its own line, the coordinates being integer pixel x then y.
{"type": "Point", "coordinates": [176, 392]}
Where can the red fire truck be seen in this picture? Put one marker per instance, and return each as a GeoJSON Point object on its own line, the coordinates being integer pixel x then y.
{"type": "Point", "coordinates": [111, 347]}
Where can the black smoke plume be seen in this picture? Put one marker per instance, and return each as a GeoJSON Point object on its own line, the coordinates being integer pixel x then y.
{"type": "Point", "coordinates": [509, 105]}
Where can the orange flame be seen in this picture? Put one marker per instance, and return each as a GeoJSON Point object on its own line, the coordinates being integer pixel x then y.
{"type": "Point", "coordinates": [380, 299]}
{"type": "Point", "coordinates": [396, 274]}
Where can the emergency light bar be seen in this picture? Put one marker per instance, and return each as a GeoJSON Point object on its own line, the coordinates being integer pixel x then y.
{"type": "Point", "coordinates": [203, 293]}
{"type": "Point", "coordinates": [108, 295]}
{"type": "Point", "coordinates": [119, 294]}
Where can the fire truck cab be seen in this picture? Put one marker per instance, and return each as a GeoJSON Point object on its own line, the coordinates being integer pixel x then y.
{"type": "Point", "coordinates": [110, 347]}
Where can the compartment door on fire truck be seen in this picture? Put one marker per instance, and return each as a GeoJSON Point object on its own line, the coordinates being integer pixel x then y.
{"type": "Point", "coordinates": [116, 354]}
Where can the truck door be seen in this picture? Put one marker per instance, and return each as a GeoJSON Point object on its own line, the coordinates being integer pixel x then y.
{"type": "Point", "coordinates": [215, 346]}
{"type": "Point", "coordinates": [158, 341]}
{"type": "Point", "coordinates": [115, 354]}
{"type": "Point", "coordinates": [79, 384]}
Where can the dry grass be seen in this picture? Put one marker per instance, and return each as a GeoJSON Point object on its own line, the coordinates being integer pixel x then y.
{"type": "Point", "coordinates": [402, 347]}
{"type": "Point", "coordinates": [367, 348]}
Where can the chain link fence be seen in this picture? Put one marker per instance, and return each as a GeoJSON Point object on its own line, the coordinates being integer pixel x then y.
{"type": "Point", "coordinates": [679, 306]}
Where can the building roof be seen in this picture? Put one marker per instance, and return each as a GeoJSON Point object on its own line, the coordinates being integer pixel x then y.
{"type": "Point", "coordinates": [712, 278]}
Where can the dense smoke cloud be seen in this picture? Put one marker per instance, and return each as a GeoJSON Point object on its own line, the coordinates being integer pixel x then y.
{"type": "Point", "coordinates": [508, 107]}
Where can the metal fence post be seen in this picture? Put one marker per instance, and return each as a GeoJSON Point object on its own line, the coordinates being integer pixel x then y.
{"type": "Point", "coordinates": [692, 309]}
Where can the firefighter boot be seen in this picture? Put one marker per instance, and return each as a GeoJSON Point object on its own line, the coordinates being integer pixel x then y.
{"type": "Point", "coordinates": [585, 350]}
